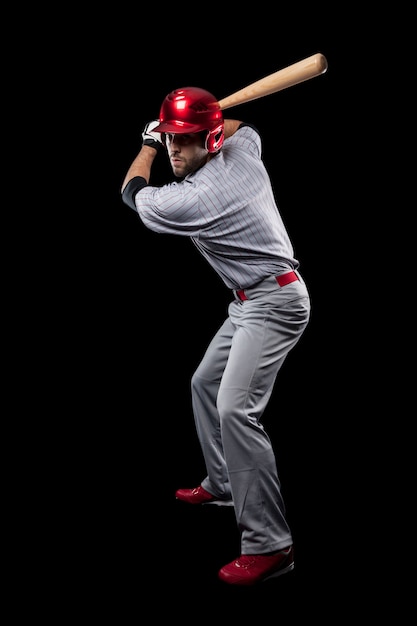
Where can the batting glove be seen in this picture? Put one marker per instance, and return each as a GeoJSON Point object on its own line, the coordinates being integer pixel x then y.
{"type": "Point", "coordinates": [150, 138]}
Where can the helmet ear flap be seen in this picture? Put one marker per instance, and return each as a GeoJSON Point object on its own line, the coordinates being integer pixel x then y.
{"type": "Point", "coordinates": [215, 138]}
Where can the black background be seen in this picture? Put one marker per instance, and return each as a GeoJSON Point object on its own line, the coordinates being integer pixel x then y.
{"type": "Point", "coordinates": [139, 308]}
{"type": "Point", "coordinates": [162, 303]}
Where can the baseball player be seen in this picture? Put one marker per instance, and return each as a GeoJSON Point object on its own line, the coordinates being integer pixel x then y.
{"type": "Point", "coordinates": [221, 198]}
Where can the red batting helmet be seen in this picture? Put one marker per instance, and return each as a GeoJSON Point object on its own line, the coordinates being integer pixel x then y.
{"type": "Point", "coordinates": [192, 110]}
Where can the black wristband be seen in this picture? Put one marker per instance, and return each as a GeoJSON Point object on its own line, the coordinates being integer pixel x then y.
{"type": "Point", "coordinates": [152, 143]}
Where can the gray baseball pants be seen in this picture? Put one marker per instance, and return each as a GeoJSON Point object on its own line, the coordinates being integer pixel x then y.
{"type": "Point", "coordinates": [230, 390]}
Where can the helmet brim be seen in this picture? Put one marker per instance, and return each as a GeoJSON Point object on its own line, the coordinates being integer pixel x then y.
{"type": "Point", "coordinates": [177, 127]}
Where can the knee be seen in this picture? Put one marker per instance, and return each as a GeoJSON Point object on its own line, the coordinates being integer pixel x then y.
{"type": "Point", "coordinates": [226, 404]}
{"type": "Point", "coordinates": [196, 383]}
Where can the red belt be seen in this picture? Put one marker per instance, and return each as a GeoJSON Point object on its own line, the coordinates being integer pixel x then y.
{"type": "Point", "coordinates": [282, 280]}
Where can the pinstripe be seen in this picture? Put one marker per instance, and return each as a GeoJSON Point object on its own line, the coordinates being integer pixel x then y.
{"type": "Point", "coordinates": [228, 210]}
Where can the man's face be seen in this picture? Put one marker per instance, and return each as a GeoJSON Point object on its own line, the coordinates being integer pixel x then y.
{"type": "Point", "coordinates": [186, 152]}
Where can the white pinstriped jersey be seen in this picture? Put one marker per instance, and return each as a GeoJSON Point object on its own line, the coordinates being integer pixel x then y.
{"type": "Point", "coordinates": [228, 209]}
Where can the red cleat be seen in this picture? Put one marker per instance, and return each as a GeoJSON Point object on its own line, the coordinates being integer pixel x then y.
{"type": "Point", "coordinates": [250, 569]}
{"type": "Point", "coordinates": [195, 496]}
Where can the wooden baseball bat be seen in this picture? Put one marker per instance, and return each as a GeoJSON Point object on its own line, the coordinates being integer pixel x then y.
{"type": "Point", "coordinates": [287, 77]}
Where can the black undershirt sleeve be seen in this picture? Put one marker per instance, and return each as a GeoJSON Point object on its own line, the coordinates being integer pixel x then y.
{"type": "Point", "coordinates": [247, 124]}
{"type": "Point", "coordinates": [129, 192]}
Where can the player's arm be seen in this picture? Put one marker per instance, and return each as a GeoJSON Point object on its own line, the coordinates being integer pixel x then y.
{"type": "Point", "coordinates": [137, 175]}
{"type": "Point", "coordinates": [139, 172]}
{"type": "Point", "coordinates": [142, 164]}
{"type": "Point", "coordinates": [230, 127]}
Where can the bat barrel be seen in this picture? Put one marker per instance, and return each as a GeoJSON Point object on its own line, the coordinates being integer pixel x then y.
{"type": "Point", "coordinates": [287, 77]}
{"type": "Point", "coordinates": [321, 63]}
